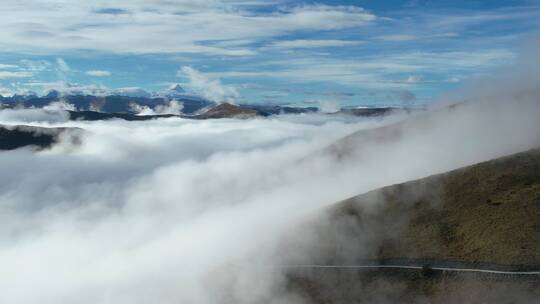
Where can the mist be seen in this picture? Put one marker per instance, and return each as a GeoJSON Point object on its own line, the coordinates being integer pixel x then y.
{"type": "Point", "coordinates": [195, 211]}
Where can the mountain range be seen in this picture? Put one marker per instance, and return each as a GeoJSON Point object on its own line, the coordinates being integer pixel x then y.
{"type": "Point", "coordinates": [113, 101]}
{"type": "Point", "coordinates": [133, 99]}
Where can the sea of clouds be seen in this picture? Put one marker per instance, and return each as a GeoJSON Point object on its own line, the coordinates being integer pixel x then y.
{"type": "Point", "coordinates": [160, 211]}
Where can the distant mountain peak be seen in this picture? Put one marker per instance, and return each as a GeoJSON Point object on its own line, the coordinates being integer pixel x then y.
{"type": "Point", "coordinates": [175, 91]}
{"type": "Point", "coordinates": [177, 88]}
{"type": "Point", "coordinates": [227, 110]}
{"type": "Point", "coordinates": [132, 92]}
{"type": "Point", "coordinates": [53, 94]}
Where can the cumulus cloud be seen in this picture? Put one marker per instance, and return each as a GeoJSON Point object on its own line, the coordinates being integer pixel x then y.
{"type": "Point", "coordinates": [329, 106]}
{"type": "Point", "coordinates": [98, 73]}
{"type": "Point", "coordinates": [172, 107]}
{"type": "Point", "coordinates": [59, 106]}
{"type": "Point", "coordinates": [211, 89]}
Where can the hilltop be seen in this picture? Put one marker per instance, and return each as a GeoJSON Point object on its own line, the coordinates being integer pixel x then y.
{"type": "Point", "coordinates": [489, 212]}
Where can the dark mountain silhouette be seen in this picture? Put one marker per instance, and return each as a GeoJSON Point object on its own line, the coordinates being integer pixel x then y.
{"type": "Point", "coordinates": [14, 137]}
{"type": "Point", "coordinates": [94, 116]}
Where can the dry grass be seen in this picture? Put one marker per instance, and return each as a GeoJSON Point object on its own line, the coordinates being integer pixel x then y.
{"type": "Point", "coordinates": [489, 212]}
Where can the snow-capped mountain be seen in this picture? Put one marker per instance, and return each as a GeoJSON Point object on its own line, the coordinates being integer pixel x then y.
{"type": "Point", "coordinates": [131, 92]}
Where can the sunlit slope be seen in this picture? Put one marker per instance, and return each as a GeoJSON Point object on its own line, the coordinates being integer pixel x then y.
{"type": "Point", "coordinates": [489, 212]}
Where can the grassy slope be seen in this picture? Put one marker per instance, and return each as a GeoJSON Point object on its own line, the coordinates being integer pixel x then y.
{"type": "Point", "coordinates": [488, 212]}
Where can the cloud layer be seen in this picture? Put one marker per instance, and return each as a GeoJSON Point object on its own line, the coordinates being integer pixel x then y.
{"type": "Point", "coordinates": [152, 27]}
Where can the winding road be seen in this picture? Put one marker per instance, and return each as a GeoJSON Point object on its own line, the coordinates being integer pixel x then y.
{"type": "Point", "coordinates": [479, 270]}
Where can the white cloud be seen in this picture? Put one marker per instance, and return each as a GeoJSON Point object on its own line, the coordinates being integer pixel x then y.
{"type": "Point", "coordinates": [298, 44]}
{"type": "Point", "coordinates": [131, 92]}
{"type": "Point", "coordinates": [374, 70]}
{"type": "Point", "coordinates": [35, 65]}
{"type": "Point", "coordinates": [62, 65]}
{"type": "Point", "coordinates": [161, 26]}
{"type": "Point", "coordinates": [62, 69]}
{"type": "Point", "coordinates": [173, 107]}
{"type": "Point", "coordinates": [17, 74]}
{"type": "Point", "coordinates": [398, 37]}
{"type": "Point", "coordinates": [7, 66]}
{"type": "Point", "coordinates": [404, 37]}
{"type": "Point", "coordinates": [6, 92]}
{"type": "Point", "coordinates": [70, 88]}
{"type": "Point", "coordinates": [98, 73]}
{"type": "Point", "coordinates": [329, 106]}
{"type": "Point", "coordinates": [211, 89]}
{"type": "Point", "coordinates": [414, 79]}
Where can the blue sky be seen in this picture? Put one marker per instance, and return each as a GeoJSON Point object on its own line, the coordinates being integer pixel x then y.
{"type": "Point", "coordinates": [256, 51]}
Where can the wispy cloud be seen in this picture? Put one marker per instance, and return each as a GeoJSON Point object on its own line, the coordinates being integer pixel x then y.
{"type": "Point", "coordinates": [11, 74]}
{"type": "Point", "coordinates": [98, 73]}
{"type": "Point", "coordinates": [398, 37]}
{"type": "Point", "coordinates": [374, 71]}
{"type": "Point", "coordinates": [300, 44]}
{"type": "Point", "coordinates": [410, 37]}
{"type": "Point", "coordinates": [62, 68]}
{"type": "Point", "coordinates": [153, 27]}
{"type": "Point", "coordinates": [268, 43]}
{"type": "Point", "coordinates": [35, 65]}
{"type": "Point", "coordinates": [8, 66]}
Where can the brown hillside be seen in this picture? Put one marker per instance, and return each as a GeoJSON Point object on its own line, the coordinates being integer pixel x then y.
{"type": "Point", "coordinates": [486, 213]}
{"type": "Point", "coordinates": [227, 110]}
{"type": "Point", "coordinates": [489, 212]}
